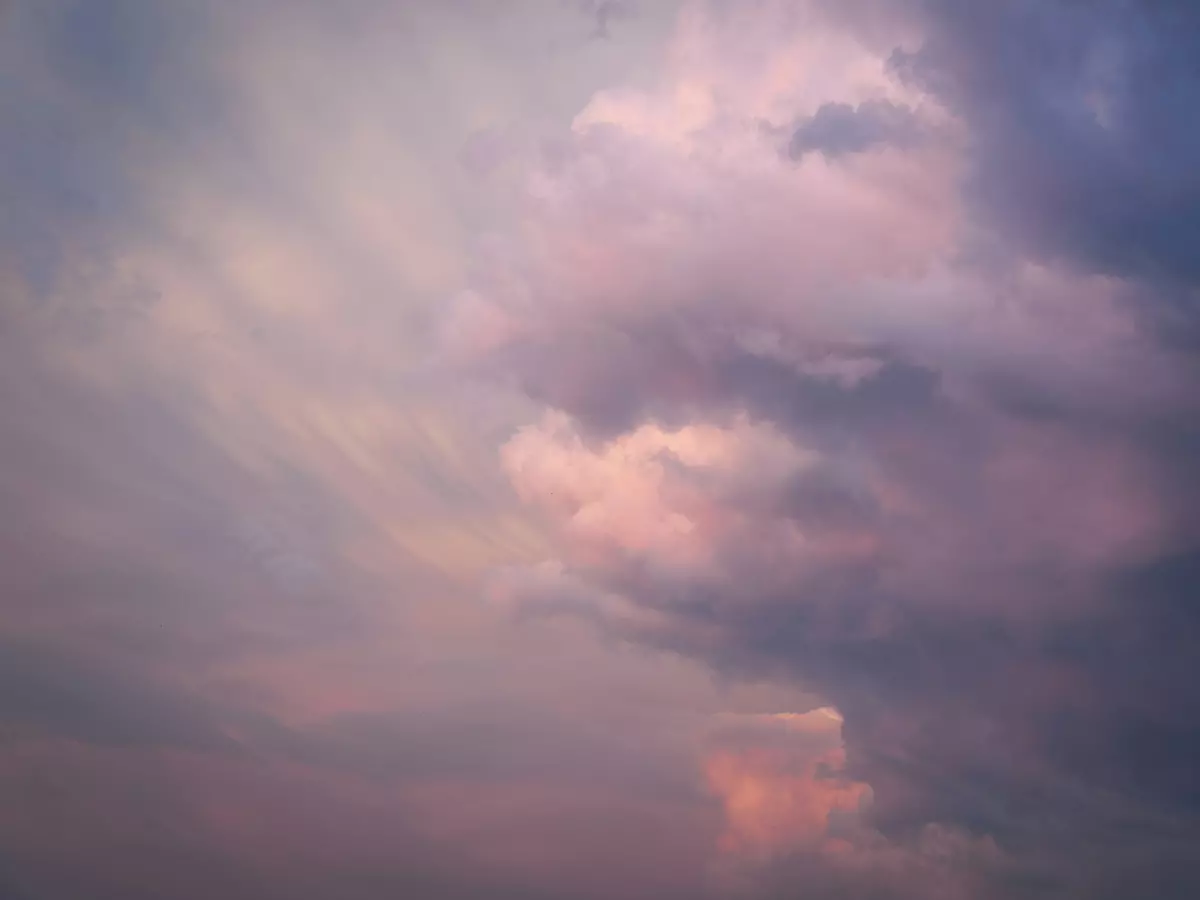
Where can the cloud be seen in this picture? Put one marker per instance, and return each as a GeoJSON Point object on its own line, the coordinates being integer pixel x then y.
{"type": "Point", "coordinates": [795, 817]}
{"type": "Point", "coordinates": [1082, 139]}
{"type": "Point", "coordinates": [826, 356]}
{"type": "Point", "coordinates": [787, 793]}
{"type": "Point", "coordinates": [836, 129]}
{"type": "Point", "coordinates": [969, 398]}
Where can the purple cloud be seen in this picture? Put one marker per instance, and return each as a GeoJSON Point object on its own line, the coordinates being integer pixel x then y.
{"type": "Point", "coordinates": [977, 442]}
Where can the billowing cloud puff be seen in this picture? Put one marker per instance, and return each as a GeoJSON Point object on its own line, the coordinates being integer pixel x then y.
{"type": "Point", "coordinates": [787, 788]}
{"type": "Point", "coordinates": [667, 499]}
{"type": "Point", "coordinates": [812, 408]}
{"type": "Point", "coordinates": [792, 814]}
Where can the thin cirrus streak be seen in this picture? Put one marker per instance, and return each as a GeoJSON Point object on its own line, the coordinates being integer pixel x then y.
{"type": "Point", "coordinates": [538, 449]}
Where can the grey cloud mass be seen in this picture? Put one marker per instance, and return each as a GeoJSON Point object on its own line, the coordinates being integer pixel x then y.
{"type": "Point", "coordinates": [838, 128]}
{"type": "Point", "coordinates": [1082, 124]}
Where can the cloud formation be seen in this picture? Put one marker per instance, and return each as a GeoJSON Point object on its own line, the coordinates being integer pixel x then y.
{"type": "Point", "coordinates": [588, 449]}
{"type": "Point", "coordinates": [853, 357]}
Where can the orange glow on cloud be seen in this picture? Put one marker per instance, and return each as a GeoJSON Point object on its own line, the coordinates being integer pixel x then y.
{"type": "Point", "coordinates": [781, 794]}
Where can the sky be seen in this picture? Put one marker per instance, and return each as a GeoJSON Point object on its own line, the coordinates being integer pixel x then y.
{"type": "Point", "coordinates": [599, 449]}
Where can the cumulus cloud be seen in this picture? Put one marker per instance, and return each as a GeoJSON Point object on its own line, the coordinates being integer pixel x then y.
{"type": "Point", "coordinates": [976, 437]}
{"type": "Point", "coordinates": [794, 816]}
{"type": "Point", "coordinates": [787, 789]}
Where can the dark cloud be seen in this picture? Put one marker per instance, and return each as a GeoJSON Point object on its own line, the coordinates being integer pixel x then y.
{"type": "Point", "coordinates": [1081, 125]}
{"type": "Point", "coordinates": [836, 129]}
{"type": "Point", "coordinates": [59, 693]}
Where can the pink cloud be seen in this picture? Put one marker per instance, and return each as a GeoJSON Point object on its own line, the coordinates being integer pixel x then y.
{"type": "Point", "coordinates": [786, 790]}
